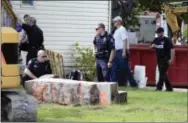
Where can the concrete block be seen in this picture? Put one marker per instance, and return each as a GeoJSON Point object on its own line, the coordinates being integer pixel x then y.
{"type": "Point", "coordinates": [107, 92]}
{"type": "Point", "coordinates": [47, 76]}
{"type": "Point", "coordinates": [71, 92]}
{"type": "Point", "coordinates": [121, 97]}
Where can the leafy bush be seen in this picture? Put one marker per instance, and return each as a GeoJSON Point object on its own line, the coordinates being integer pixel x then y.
{"type": "Point", "coordinates": [185, 33]}
{"type": "Point", "coordinates": [85, 61]}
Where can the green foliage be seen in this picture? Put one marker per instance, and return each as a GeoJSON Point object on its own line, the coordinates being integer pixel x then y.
{"type": "Point", "coordinates": [130, 15]}
{"type": "Point", "coordinates": [85, 61]}
{"type": "Point", "coordinates": [185, 33]}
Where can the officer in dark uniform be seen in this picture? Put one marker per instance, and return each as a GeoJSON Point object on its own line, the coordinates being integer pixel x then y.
{"type": "Point", "coordinates": [104, 51]}
{"type": "Point", "coordinates": [37, 67]}
{"type": "Point", "coordinates": [165, 57]}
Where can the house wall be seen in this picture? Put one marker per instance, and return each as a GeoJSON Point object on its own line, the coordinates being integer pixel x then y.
{"type": "Point", "coordinates": [67, 22]}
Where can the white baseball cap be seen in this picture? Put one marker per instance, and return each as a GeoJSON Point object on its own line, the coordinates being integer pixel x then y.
{"type": "Point", "coordinates": [117, 18]}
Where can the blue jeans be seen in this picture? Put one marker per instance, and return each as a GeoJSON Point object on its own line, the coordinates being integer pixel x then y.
{"type": "Point", "coordinates": [121, 71]}
{"type": "Point", "coordinates": [103, 72]}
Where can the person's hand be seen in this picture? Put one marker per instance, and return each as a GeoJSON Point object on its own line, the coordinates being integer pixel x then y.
{"type": "Point", "coordinates": [170, 61]}
{"type": "Point", "coordinates": [124, 55]}
{"type": "Point", "coordinates": [152, 46]}
{"type": "Point", "coordinates": [109, 64]}
{"type": "Point", "coordinates": [19, 20]}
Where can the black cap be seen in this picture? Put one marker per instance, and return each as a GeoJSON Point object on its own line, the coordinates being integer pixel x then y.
{"type": "Point", "coordinates": [159, 30]}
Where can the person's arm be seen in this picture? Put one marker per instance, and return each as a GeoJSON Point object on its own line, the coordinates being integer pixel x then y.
{"type": "Point", "coordinates": [112, 53]}
{"type": "Point", "coordinates": [124, 38]}
{"type": "Point", "coordinates": [26, 27]}
{"type": "Point", "coordinates": [28, 70]}
{"type": "Point", "coordinates": [42, 38]}
{"type": "Point", "coordinates": [152, 45]}
{"type": "Point", "coordinates": [172, 51]}
{"type": "Point", "coordinates": [19, 20]}
{"type": "Point", "coordinates": [23, 36]}
{"type": "Point", "coordinates": [94, 43]}
{"type": "Point", "coordinates": [30, 74]}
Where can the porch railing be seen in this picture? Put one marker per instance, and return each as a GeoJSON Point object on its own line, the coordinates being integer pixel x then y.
{"type": "Point", "coordinates": [8, 16]}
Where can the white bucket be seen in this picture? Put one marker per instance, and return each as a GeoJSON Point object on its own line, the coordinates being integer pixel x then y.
{"type": "Point", "coordinates": [139, 72]}
{"type": "Point", "coordinates": [143, 83]}
{"type": "Point", "coordinates": [140, 75]}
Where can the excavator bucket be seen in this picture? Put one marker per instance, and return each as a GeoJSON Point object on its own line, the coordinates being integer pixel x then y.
{"type": "Point", "coordinates": [9, 59]}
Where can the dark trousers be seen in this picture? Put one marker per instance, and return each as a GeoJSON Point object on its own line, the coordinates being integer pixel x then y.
{"type": "Point", "coordinates": [103, 72]}
{"type": "Point", "coordinates": [121, 71]}
{"type": "Point", "coordinates": [163, 75]}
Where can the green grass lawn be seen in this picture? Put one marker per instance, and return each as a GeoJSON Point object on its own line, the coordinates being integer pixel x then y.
{"type": "Point", "coordinates": [143, 106]}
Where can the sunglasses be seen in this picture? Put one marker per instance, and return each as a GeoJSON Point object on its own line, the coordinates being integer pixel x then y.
{"type": "Point", "coordinates": [97, 28]}
{"type": "Point", "coordinates": [44, 56]}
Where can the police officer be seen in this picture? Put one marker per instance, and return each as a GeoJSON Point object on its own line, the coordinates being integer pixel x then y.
{"type": "Point", "coordinates": [104, 51]}
{"type": "Point", "coordinates": [165, 57]}
{"type": "Point", "coordinates": [37, 67]}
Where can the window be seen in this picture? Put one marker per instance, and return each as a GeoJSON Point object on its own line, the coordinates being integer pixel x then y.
{"type": "Point", "coordinates": [28, 3]}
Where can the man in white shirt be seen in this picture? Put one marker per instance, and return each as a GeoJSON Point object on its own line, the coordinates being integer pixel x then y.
{"type": "Point", "coordinates": [120, 68]}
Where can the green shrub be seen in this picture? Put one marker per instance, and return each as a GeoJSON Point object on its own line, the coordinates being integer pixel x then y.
{"type": "Point", "coordinates": [185, 33]}
{"type": "Point", "coordinates": [85, 61]}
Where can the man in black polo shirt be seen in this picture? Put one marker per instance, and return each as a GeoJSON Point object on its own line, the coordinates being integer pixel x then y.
{"type": "Point", "coordinates": [165, 57]}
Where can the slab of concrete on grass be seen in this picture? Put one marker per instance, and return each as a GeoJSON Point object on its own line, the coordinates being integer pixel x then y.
{"type": "Point", "coordinates": [70, 92]}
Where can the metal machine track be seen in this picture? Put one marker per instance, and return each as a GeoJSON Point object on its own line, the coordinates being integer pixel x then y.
{"type": "Point", "coordinates": [18, 107]}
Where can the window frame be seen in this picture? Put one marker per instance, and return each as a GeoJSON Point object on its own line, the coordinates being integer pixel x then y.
{"type": "Point", "coordinates": [28, 5]}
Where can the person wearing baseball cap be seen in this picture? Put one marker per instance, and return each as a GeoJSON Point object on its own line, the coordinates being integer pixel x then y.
{"type": "Point", "coordinates": [120, 68]}
{"type": "Point", "coordinates": [165, 57]}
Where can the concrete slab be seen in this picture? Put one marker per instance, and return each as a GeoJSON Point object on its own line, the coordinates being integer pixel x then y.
{"type": "Point", "coordinates": [121, 97]}
{"type": "Point", "coordinates": [71, 92]}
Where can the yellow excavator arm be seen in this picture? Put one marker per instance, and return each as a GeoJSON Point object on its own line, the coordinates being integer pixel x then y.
{"type": "Point", "coordinates": [171, 18]}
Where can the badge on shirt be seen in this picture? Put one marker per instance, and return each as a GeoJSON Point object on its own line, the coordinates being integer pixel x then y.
{"type": "Point", "coordinates": [35, 66]}
{"type": "Point", "coordinates": [162, 42]}
{"type": "Point", "coordinates": [97, 37]}
{"type": "Point", "coordinates": [30, 61]}
{"type": "Point", "coordinates": [112, 40]}
{"type": "Point", "coordinates": [104, 39]}
{"type": "Point", "coordinates": [159, 46]}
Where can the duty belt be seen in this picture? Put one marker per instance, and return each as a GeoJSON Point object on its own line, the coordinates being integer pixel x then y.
{"type": "Point", "coordinates": [104, 54]}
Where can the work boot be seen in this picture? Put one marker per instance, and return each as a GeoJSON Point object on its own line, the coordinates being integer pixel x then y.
{"type": "Point", "coordinates": [169, 90]}
{"type": "Point", "coordinates": [158, 89]}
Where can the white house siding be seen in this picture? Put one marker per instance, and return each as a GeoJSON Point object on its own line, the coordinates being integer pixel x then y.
{"type": "Point", "coordinates": [67, 22]}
